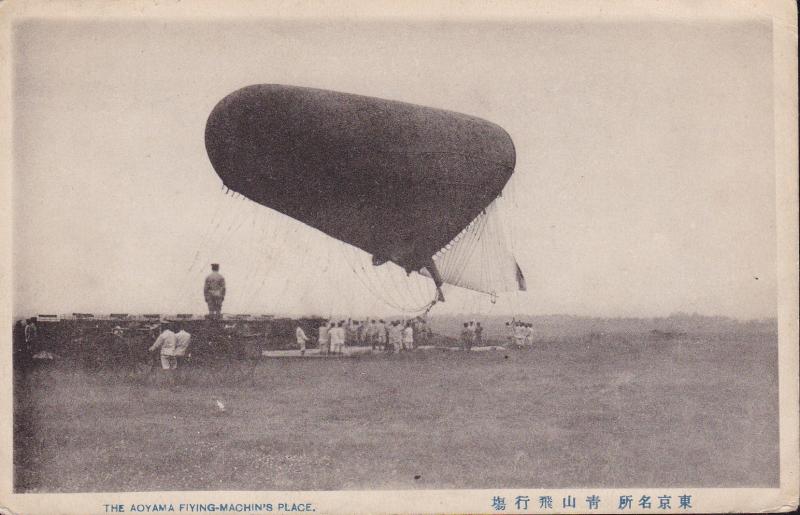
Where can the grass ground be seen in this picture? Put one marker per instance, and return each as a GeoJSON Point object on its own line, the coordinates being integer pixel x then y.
{"type": "Point", "coordinates": [618, 411]}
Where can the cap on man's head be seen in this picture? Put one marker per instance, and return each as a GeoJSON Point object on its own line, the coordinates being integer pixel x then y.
{"type": "Point", "coordinates": [215, 266]}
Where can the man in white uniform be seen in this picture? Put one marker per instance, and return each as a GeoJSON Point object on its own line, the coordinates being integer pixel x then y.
{"type": "Point", "coordinates": [509, 333]}
{"type": "Point", "coordinates": [324, 338]}
{"type": "Point", "coordinates": [472, 332]}
{"type": "Point", "coordinates": [301, 337]}
{"type": "Point", "coordinates": [529, 334]}
{"type": "Point", "coordinates": [396, 336]}
{"type": "Point", "coordinates": [337, 336]}
{"type": "Point", "coordinates": [166, 343]}
{"type": "Point", "coordinates": [380, 329]}
{"type": "Point", "coordinates": [182, 340]}
{"type": "Point", "coordinates": [371, 333]}
{"type": "Point", "coordinates": [408, 336]}
{"type": "Point", "coordinates": [519, 334]}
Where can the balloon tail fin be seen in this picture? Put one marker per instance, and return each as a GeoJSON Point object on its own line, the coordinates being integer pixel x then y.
{"type": "Point", "coordinates": [521, 284]}
{"type": "Point", "coordinates": [437, 279]}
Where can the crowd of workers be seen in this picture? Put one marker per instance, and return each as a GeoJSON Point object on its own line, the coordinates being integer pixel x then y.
{"type": "Point", "coordinates": [393, 336]}
{"type": "Point", "coordinates": [519, 333]}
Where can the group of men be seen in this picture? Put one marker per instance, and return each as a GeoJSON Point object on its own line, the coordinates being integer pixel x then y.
{"type": "Point", "coordinates": [519, 333]}
{"type": "Point", "coordinates": [395, 336]}
{"type": "Point", "coordinates": [471, 335]}
{"type": "Point", "coordinates": [173, 348]}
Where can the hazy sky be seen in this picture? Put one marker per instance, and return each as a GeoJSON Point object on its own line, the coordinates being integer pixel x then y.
{"type": "Point", "coordinates": [644, 183]}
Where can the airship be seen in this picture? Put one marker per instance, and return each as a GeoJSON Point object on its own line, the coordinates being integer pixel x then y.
{"type": "Point", "coordinates": [397, 180]}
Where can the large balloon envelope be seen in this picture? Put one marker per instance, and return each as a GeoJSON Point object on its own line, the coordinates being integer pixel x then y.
{"type": "Point", "coordinates": [396, 180]}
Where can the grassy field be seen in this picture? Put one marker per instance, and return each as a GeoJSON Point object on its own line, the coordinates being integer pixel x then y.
{"type": "Point", "coordinates": [614, 411]}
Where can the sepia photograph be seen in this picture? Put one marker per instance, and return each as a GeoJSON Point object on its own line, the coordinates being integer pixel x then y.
{"type": "Point", "coordinates": [507, 258]}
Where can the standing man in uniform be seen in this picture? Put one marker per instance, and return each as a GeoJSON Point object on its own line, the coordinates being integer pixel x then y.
{"type": "Point", "coordinates": [510, 333]}
{"type": "Point", "coordinates": [472, 333]}
{"type": "Point", "coordinates": [371, 332]}
{"type": "Point", "coordinates": [381, 335]}
{"type": "Point", "coordinates": [466, 337]}
{"type": "Point", "coordinates": [529, 334]}
{"type": "Point", "coordinates": [408, 336]}
{"type": "Point", "coordinates": [182, 340]}
{"type": "Point", "coordinates": [166, 343]}
{"type": "Point", "coordinates": [478, 334]}
{"type": "Point", "coordinates": [301, 338]}
{"type": "Point", "coordinates": [214, 291]}
{"type": "Point", "coordinates": [519, 334]}
{"type": "Point", "coordinates": [323, 338]}
{"type": "Point", "coordinates": [337, 338]}
{"type": "Point", "coordinates": [396, 336]}
{"type": "Point", "coordinates": [360, 333]}
{"type": "Point", "coordinates": [31, 336]}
